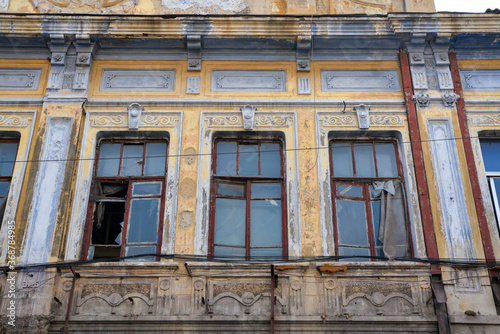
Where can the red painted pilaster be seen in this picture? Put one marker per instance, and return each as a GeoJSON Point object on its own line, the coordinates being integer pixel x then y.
{"type": "Point", "coordinates": [471, 164]}
{"type": "Point", "coordinates": [418, 159]}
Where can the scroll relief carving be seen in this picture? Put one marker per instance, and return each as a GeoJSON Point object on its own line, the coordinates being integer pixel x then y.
{"type": "Point", "coordinates": [87, 6]}
{"type": "Point", "coordinates": [15, 121]}
{"type": "Point", "coordinates": [224, 294]}
{"type": "Point", "coordinates": [122, 120]}
{"type": "Point", "coordinates": [379, 298]}
{"type": "Point", "coordinates": [260, 120]}
{"type": "Point", "coordinates": [375, 120]}
{"type": "Point", "coordinates": [115, 299]}
{"type": "Point", "coordinates": [484, 120]}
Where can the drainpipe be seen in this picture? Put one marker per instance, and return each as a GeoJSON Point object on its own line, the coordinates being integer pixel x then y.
{"type": "Point", "coordinates": [72, 291]}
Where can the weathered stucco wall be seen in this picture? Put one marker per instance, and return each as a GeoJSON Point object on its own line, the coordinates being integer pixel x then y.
{"type": "Point", "coordinates": [211, 7]}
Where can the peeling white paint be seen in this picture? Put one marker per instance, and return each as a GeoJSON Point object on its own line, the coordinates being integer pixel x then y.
{"type": "Point", "coordinates": [47, 192]}
{"type": "Point", "coordinates": [455, 218]}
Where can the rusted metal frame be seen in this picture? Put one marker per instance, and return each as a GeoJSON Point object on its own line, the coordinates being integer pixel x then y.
{"type": "Point", "coordinates": [126, 219]}
{"type": "Point", "coordinates": [471, 164]}
{"type": "Point", "coordinates": [369, 219]}
{"type": "Point", "coordinates": [144, 158]}
{"type": "Point", "coordinates": [213, 192]}
{"type": "Point", "coordinates": [284, 204]}
{"type": "Point", "coordinates": [247, 220]}
{"type": "Point", "coordinates": [352, 159]}
{"type": "Point", "coordinates": [70, 300]}
{"type": "Point", "coordinates": [121, 160]}
{"type": "Point", "coordinates": [375, 159]}
{"type": "Point", "coordinates": [418, 160]}
{"type": "Point", "coordinates": [258, 154]}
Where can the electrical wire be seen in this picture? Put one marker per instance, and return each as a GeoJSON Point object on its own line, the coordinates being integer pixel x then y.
{"type": "Point", "coordinates": [209, 154]}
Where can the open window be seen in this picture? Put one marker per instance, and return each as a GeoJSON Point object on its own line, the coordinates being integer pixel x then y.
{"type": "Point", "coordinates": [490, 149]}
{"type": "Point", "coordinates": [8, 153]}
{"type": "Point", "coordinates": [248, 204]}
{"type": "Point", "coordinates": [369, 206]}
{"type": "Point", "coordinates": [126, 205]}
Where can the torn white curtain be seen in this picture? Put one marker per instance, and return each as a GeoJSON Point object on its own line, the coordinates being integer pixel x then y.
{"type": "Point", "coordinates": [393, 230]}
{"type": "Point", "coordinates": [103, 190]}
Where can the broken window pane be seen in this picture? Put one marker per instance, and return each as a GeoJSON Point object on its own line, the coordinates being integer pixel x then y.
{"type": "Point", "coordinates": [349, 190]}
{"type": "Point", "coordinates": [109, 160]}
{"type": "Point", "coordinates": [228, 189]}
{"type": "Point", "coordinates": [132, 160]}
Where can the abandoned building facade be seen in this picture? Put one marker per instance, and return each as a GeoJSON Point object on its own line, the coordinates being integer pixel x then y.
{"type": "Point", "coordinates": [260, 165]}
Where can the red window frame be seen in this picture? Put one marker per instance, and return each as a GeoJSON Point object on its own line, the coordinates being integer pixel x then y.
{"type": "Point", "coordinates": [247, 180]}
{"type": "Point", "coordinates": [365, 183]}
{"type": "Point", "coordinates": [129, 180]}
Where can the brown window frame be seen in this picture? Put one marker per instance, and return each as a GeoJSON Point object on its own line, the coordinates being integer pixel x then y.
{"type": "Point", "coordinates": [365, 183]}
{"type": "Point", "coordinates": [130, 181]}
{"type": "Point", "coordinates": [247, 180]}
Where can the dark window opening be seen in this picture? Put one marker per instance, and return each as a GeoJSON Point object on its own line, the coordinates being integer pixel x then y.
{"type": "Point", "coordinates": [128, 192]}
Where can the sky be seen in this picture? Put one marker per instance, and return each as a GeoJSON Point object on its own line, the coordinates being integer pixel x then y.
{"type": "Point", "coordinates": [471, 6]}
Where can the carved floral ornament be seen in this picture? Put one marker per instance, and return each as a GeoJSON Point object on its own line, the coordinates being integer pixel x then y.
{"type": "Point", "coordinates": [374, 120]}
{"type": "Point", "coordinates": [260, 120]}
{"type": "Point", "coordinates": [88, 6]}
{"type": "Point", "coordinates": [145, 119]}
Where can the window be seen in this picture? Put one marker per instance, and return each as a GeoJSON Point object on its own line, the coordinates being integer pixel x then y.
{"type": "Point", "coordinates": [368, 202]}
{"type": "Point", "coordinates": [248, 210]}
{"type": "Point", "coordinates": [490, 149]}
{"type": "Point", "coordinates": [126, 205]}
{"type": "Point", "coordinates": [8, 152]}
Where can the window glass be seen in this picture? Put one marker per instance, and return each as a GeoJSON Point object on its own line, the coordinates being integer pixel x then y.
{"type": "Point", "coordinates": [491, 154]}
{"type": "Point", "coordinates": [363, 158]}
{"type": "Point", "coordinates": [342, 160]}
{"type": "Point", "coordinates": [266, 190]}
{"type": "Point", "coordinates": [270, 160]}
{"type": "Point", "coordinates": [249, 160]}
{"type": "Point", "coordinates": [121, 185]}
{"type": "Point", "coordinates": [230, 189]}
{"type": "Point", "coordinates": [109, 160]}
{"type": "Point", "coordinates": [230, 222]}
{"type": "Point", "coordinates": [247, 220]}
{"type": "Point", "coordinates": [368, 205]}
{"type": "Point", "coordinates": [226, 158]}
{"type": "Point", "coordinates": [143, 188]}
{"type": "Point", "coordinates": [265, 223]}
{"type": "Point", "coordinates": [155, 159]}
{"type": "Point", "coordinates": [132, 160]}
{"type": "Point", "coordinates": [8, 153]}
{"type": "Point", "coordinates": [386, 160]}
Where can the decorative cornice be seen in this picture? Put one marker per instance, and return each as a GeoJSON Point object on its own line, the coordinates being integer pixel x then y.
{"type": "Point", "coordinates": [443, 24]}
